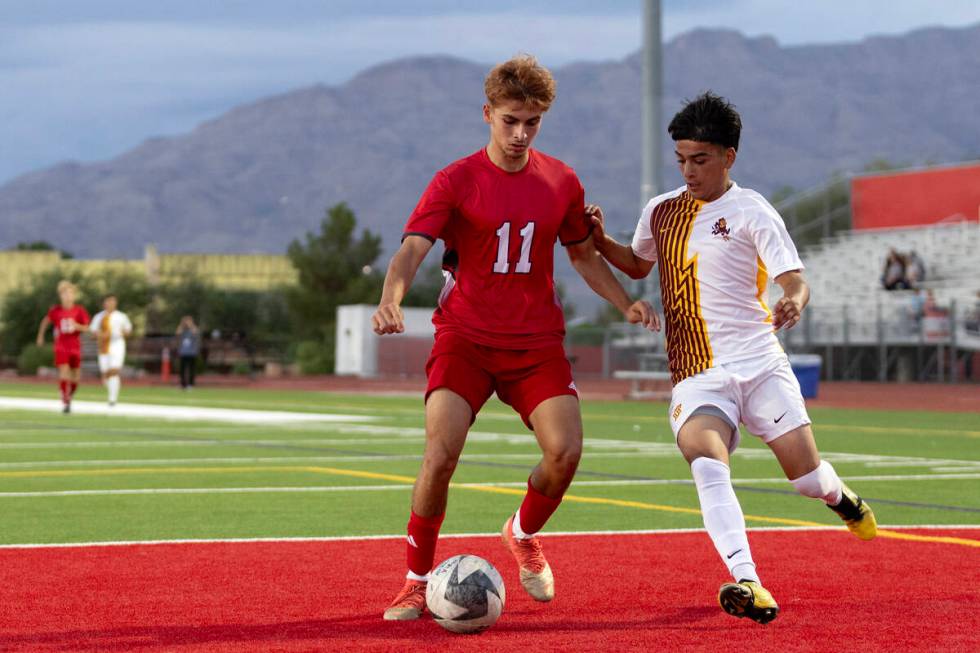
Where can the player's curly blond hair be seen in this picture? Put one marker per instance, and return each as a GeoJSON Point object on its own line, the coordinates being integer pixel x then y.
{"type": "Point", "coordinates": [523, 79]}
{"type": "Point", "coordinates": [65, 284]}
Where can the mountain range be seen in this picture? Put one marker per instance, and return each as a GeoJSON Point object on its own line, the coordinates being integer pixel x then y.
{"type": "Point", "coordinates": [262, 174]}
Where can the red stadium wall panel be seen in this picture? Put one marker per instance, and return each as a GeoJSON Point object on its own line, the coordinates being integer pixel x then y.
{"type": "Point", "coordinates": [917, 197]}
{"type": "Point", "coordinates": [403, 356]}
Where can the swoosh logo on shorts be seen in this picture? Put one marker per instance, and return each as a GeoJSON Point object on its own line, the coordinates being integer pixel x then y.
{"type": "Point", "coordinates": [776, 420]}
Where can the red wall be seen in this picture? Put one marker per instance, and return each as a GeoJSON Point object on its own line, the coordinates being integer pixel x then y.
{"type": "Point", "coordinates": [905, 199]}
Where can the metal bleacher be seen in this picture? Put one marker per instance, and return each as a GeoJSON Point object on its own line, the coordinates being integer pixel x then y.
{"type": "Point", "coordinates": [850, 311]}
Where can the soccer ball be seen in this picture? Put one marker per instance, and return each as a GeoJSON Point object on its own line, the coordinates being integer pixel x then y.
{"type": "Point", "coordinates": [465, 594]}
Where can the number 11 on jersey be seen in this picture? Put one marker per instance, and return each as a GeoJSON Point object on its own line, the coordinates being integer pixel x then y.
{"type": "Point", "coordinates": [502, 265]}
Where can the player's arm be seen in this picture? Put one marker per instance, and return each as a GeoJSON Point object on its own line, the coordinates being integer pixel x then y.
{"type": "Point", "coordinates": [45, 323]}
{"type": "Point", "coordinates": [401, 271]}
{"type": "Point", "coordinates": [621, 256]}
{"type": "Point", "coordinates": [590, 265]}
{"type": "Point", "coordinates": [796, 295]}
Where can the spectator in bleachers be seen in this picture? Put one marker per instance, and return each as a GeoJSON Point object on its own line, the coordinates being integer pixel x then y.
{"type": "Point", "coordinates": [972, 321]}
{"type": "Point", "coordinates": [915, 270]}
{"type": "Point", "coordinates": [893, 274]}
{"type": "Point", "coordinates": [917, 308]}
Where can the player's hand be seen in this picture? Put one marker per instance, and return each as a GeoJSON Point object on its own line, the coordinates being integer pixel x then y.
{"type": "Point", "coordinates": [640, 312]}
{"type": "Point", "coordinates": [786, 313]}
{"type": "Point", "coordinates": [594, 213]}
{"type": "Point", "coordinates": [40, 341]}
{"type": "Point", "coordinates": [388, 319]}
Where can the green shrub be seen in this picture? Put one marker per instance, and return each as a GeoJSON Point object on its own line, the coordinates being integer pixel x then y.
{"type": "Point", "coordinates": [32, 357]}
{"type": "Point", "coordinates": [315, 357]}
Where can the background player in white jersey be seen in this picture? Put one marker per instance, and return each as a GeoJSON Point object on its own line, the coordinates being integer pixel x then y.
{"type": "Point", "coordinates": [111, 327]}
{"type": "Point", "coordinates": [717, 245]}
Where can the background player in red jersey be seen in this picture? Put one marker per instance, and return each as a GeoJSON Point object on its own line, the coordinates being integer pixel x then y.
{"type": "Point", "coordinates": [499, 324]}
{"type": "Point", "coordinates": [69, 321]}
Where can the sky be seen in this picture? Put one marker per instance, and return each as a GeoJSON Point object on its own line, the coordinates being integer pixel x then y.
{"type": "Point", "coordinates": [88, 80]}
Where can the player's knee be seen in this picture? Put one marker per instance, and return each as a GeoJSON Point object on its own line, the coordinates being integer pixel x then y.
{"type": "Point", "coordinates": [440, 464]}
{"type": "Point", "coordinates": [564, 459]}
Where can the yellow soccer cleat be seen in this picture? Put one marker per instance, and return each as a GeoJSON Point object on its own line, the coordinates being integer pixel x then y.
{"type": "Point", "coordinates": [857, 514]}
{"type": "Point", "coordinates": [408, 604]}
{"type": "Point", "coordinates": [747, 598]}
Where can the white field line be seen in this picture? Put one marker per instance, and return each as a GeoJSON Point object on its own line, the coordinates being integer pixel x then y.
{"type": "Point", "coordinates": [283, 459]}
{"type": "Point", "coordinates": [401, 536]}
{"type": "Point", "coordinates": [394, 486]}
{"type": "Point", "coordinates": [109, 444]}
{"type": "Point", "coordinates": [155, 411]}
{"type": "Point", "coordinates": [596, 447]}
{"type": "Point", "coordinates": [947, 466]}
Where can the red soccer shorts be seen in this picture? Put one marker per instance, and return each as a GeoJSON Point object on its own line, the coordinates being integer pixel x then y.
{"type": "Point", "coordinates": [522, 378]}
{"type": "Point", "coordinates": [70, 357]}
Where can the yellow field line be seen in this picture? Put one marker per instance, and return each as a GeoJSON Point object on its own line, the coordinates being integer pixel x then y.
{"type": "Point", "coordinates": [637, 504]}
{"type": "Point", "coordinates": [398, 478]}
{"type": "Point", "coordinates": [928, 538]}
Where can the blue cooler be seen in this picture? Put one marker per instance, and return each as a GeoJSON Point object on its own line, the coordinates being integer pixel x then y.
{"type": "Point", "coordinates": [806, 367]}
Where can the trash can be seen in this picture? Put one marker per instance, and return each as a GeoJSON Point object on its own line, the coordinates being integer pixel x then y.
{"type": "Point", "coordinates": [806, 367]}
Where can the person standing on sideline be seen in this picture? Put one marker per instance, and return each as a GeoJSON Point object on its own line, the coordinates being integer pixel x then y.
{"type": "Point", "coordinates": [188, 348]}
{"type": "Point", "coordinates": [717, 245]}
{"type": "Point", "coordinates": [70, 320]}
{"type": "Point", "coordinates": [111, 327]}
{"type": "Point", "coordinates": [499, 323]}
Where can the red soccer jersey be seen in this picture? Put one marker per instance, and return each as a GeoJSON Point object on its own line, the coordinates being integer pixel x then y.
{"type": "Point", "coordinates": [500, 230]}
{"type": "Point", "coordinates": [65, 336]}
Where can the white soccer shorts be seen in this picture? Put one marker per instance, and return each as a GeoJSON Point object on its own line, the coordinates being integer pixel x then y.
{"type": "Point", "coordinates": [761, 393]}
{"type": "Point", "coordinates": [114, 359]}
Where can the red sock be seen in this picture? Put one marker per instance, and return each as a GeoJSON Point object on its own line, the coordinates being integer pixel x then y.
{"type": "Point", "coordinates": [64, 391]}
{"type": "Point", "coordinates": [74, 386]}
{"type": "Point", "coordinates": [536, 509]}
{"type": "Point", "coordinates": [423, 533]}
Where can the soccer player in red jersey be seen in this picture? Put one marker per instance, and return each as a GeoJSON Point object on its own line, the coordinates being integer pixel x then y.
{"type": "Point", "coordinates": [69, 320]}
{"type": "Point", "coordinates": [499, 323]}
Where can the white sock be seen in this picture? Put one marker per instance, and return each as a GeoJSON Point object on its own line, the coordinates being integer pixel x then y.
{"type": "Point", "coordinates": [822, 483]}
{"type": "Point", "coordinates": [113, 383]}
{"type": "Point", "coordinates": [723, 517]}
{"type": "Point", "coordinates": [519, 533]}
{"type": "Point", "coordinates": [411, 575]}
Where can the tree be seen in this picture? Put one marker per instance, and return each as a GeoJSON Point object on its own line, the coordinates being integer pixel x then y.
{"type": "Point", "coordinates": [334, 268]}
{"type": "Point", "coordinates": [426, 286]}
{"type": "Point", "coordinates": [41, 246]}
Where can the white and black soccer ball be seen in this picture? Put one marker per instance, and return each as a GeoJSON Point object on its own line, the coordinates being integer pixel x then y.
{"type": "Point", "coordinates": [465, 594]}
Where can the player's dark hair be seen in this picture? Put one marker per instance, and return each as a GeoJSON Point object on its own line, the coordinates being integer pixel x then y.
{"type": "Point", "coordinates": [108, 295]}
{"type": "Point", "coordinates": [708, 118]}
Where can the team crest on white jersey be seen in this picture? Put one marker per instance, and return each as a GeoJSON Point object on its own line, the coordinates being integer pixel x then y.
{"type": "Point", "coordinates": [720, 228]}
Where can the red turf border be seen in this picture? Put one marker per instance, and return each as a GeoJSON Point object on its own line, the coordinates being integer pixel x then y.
{"type": "Point", "coordinates": [621, 593]}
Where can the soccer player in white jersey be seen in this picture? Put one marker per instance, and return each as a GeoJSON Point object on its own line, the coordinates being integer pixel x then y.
{"type": "Point", "coordinates": [111, 327]}
{"type": "Point", "coordinates": [718, 244]}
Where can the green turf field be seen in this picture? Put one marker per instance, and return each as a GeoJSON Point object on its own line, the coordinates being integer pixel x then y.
{"type": "Point", "coordinates": [81, 478]}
